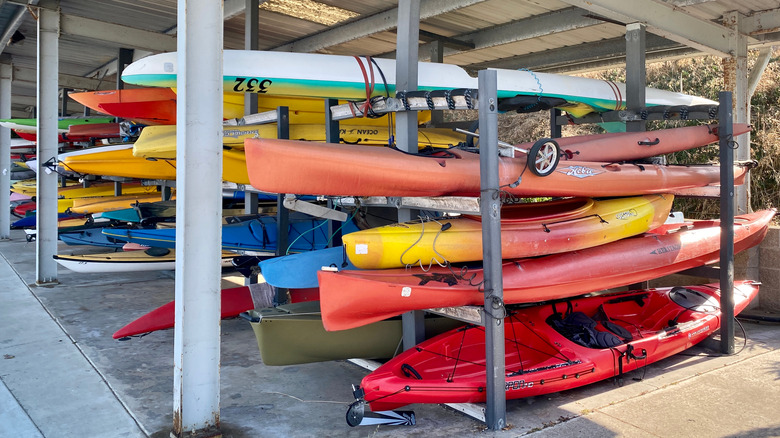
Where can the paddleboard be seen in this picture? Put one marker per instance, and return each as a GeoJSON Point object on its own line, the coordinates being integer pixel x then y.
{"type": "Point", "coordinates": [348, 77]}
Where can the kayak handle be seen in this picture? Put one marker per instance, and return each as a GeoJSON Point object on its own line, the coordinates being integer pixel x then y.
{"type": "Point", "coordinates": [649, 143]}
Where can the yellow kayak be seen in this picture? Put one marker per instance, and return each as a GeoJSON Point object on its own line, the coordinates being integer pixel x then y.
{"type": "Point", "coordinates": [28, 187]}
{"type": "Point", "coordinates": [527, 230]}
{"type": "Point", "coordinates": [160, 141]}
{"type": "Point", "coordinates": [110, 203]}
{"type": "Point", "coordinates": [123, 163]}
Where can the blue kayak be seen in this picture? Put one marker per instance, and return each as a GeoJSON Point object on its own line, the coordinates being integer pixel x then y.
{"type": "Point", "coordinates": [29, 221]}
{"type": "Point", "coordinates": [305, 234]}
{"type": "Point", "coordinates": [92, 236]}
{"type": "Point", "coordinates": [299, 271]}
{"type": "Point", "coordinates": [123, 215]}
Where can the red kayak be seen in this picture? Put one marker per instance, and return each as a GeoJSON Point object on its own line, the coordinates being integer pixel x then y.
{"type": "Point", "coordinates": [353, 298]}
{"type": "Point", "coordinates": [234, 301]}
{"type": "Point", "coordinates": [555, 346]}
{"type": "Point", "coordinates": [150, 106]}
{"type": "Point", "coordinates": [291, 166]}
{"type": "Point", "coordinates": [94, 131]}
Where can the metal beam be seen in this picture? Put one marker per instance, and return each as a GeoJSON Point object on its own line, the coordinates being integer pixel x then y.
{"type": "Point", "coordinates": [587, 56]}
{"type": "Point", "coordinates": [24, 75]}
{"type": "Point", "coordinates": [370, 25]}
{"type": "Point", "coordinates": [664, 20]}
{"type": "Point", "coordinates": [760, 23]}
{"type": "Point", "coordinates": [520, 30]}
{"type": "Point", "coordinates": [124, 36]}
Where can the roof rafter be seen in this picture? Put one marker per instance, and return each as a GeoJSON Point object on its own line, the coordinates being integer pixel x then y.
{"type": "Point", "coordinates": [665, 20]}
{"type": "Point", "coordinates": [370, 25]}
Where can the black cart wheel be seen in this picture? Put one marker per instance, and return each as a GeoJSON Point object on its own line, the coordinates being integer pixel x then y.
{"type": "Point", "coordinates": [356, 412]}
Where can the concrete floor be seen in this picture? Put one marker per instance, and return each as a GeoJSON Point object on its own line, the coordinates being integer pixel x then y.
{"type": "Point", "coordinates": [63, 375]}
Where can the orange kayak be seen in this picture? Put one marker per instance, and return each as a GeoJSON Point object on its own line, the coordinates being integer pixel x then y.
{"type": "Point", "coordinates": [627, 146]}
{"type": "Point", "coordinates": [353, 298]}
{"type": "Point", "coordinates": [289, 166]}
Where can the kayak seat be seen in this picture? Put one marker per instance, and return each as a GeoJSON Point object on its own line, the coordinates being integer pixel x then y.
{"type": "Point", "coordinates": [581, 329]}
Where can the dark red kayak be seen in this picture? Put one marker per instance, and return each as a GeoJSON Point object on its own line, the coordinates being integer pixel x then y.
{"type": "Point", "coordinates": [234, 301]}
{"type": "Point", "coordinates": [555, 346]}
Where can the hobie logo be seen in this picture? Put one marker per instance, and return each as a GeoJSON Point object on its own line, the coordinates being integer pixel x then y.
{"type": "Point", "coordinates": [626, 215]}
{"type": "Point", "coordinates": [580, 171]}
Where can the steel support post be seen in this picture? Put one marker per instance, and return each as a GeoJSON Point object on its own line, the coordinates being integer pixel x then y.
{"type": "Point", "coordinates": [123, 59]}
{"type": "Point", "coordinates": [47, 104]}
{"type": "Point", "coordinates": [407, 49]}
{"type": "Point", "coordinates": [636, 73]}
{"type": "Point", "coordinates": [251, 42]}
{"type": "Point", "coordinates": [636, 81]}
{"type": "Point", "coordinates": [490, 208]}
{"type": "Point", "coordinates": [437, 55]}
{"type": "Point", "coordinates": [332, 135]}
{"type": "Point", "coordinates": [199, 211]}
{"type": "Point", "coordinates": [735, 79]}
{"type": "Point", "coordinates": [555, 128]}
{"type": "Point", "coordinates": [6, 73]}
{"type": "Point", "coordinates": [64, 103]}
{"type": "Point", "coordinates": [725, 132]}
{"type": "Point", "coordinates": [282, 213]}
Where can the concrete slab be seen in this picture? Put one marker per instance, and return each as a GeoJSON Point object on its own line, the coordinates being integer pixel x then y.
{"type": "Point", "coordinates": [14, 421]}
{"type": "Point", "coordinates": [49, 375]}
{"type": "Point", "coordinates": [686, 395]}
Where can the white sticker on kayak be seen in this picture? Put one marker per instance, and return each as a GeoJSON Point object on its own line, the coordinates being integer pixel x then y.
{"type": "Point", "coordinates": [361, 248]}
{"type": "Point", "coordinates": [579, 171]}
{"type": "Point", "coordinates": [406, 291]}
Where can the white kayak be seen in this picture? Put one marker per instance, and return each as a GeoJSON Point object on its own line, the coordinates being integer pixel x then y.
{"type": "Point", "coordinates": [349, 77]}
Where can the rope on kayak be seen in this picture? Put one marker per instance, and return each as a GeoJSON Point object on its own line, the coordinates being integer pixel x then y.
{"type": "Point", "coordinates": [443, 263]}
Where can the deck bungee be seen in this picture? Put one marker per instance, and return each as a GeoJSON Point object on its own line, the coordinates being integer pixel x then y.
{"type": "Point", "coordinates": [288, 166]}
{"type": "Point", "coordinates": [353, 298]}
{"type": "Point", "coordinates": [527, 230]}
{"type": "Point", "coordinates": [555, 347]}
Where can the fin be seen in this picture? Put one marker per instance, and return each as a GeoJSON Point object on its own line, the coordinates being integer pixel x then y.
{"type": "Point", "coordinates": [358, 416]}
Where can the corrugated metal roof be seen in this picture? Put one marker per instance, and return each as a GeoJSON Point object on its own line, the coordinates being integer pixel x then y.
{"type": "Point", "coordinates": [494, 26]}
